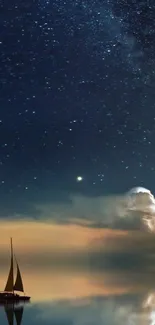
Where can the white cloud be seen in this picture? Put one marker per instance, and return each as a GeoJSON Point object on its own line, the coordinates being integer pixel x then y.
{"type": "Point", "coordinates": [129, 210]}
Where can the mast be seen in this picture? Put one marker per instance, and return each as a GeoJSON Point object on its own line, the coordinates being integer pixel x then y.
{"type": "Point", "coordinates": [12, 263]}
{"type": "Point", "coordinates": [10, 280]}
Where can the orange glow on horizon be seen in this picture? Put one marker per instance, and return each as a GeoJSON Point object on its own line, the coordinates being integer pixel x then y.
{"type": "Point", "coordinates": [60, 285]}
{"type": "Point", "coordinates": [30, 236]}
{"type": "Point", "coordinates": [35, 238]}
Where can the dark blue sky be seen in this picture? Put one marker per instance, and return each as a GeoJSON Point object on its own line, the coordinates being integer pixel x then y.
{"type": "Point", "coordinates": [77, 98]}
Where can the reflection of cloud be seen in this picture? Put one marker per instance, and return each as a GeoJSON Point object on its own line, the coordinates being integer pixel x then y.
{"type": "Point", "coordinates": [94, 311]}
{"type": "Point", "coordinates": [119, 300]}
{"type": "Point", "coordinates": [89, 298]}
{"type": "Point", "coordinates": [72, 284]}
{"type": "Point", "coordinates": [45, 244]}
{"type": "Point", "coordinates": [134, 242]}
{"type": "Point", "coordinates": [125, 250]}
{"type": "Point", "coordinates": [111, 311]}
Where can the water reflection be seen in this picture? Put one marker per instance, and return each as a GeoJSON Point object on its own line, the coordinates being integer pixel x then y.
{"type": "Point", "coordinates": [88, 299]}
{"type": "Point", "coordinates": [113, 310]}
{"type": "Point", "coordinates": [13, 312]}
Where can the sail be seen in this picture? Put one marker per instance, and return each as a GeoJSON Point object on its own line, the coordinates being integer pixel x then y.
{"type": "Point", "coordinates": [9, 314]}
{"type": "Point", "coordinates": [18, 283]}
{"type": "Point", "coordinates": [18, 315]}
{"type": "Point", "coordinates": [10, 280]}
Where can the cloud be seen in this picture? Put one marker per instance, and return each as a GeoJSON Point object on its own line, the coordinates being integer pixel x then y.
{"type": "Point", "coordinates": [85, 209]}
{"type": "Point", "coordinates": [132, 210]}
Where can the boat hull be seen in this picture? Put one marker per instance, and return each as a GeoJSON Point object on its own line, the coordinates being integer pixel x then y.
{"type": "Point", "coordinates": [11, 297]}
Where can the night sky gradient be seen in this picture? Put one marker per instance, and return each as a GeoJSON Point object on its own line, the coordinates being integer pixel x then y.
{"type": "Point", "coordinates": [77, 98]}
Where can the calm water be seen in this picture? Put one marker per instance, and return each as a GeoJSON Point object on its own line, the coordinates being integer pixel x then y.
{"type": "Point", "coordinates": [82, 298]}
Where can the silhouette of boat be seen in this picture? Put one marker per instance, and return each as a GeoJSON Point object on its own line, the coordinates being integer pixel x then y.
{"type": "Point", "coordinates": [9, 294]}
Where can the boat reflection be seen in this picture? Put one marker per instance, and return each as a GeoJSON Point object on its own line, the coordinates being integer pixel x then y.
{"type": "Point", "coordinates": [14, 312]}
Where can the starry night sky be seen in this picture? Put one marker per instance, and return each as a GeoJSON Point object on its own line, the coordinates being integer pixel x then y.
{"type": "Point", "coordinates": [77, 98]}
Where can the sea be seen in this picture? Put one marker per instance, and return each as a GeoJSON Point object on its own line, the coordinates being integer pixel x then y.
{"type": "Point", "coordinates": [84, 297]}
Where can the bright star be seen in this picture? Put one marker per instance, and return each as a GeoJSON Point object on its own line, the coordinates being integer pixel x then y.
{"type": "Point", "coordinates": [79, 178]}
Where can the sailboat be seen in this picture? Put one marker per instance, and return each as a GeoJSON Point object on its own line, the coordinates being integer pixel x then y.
{"type": "Point", "coordinates": [9, 293]}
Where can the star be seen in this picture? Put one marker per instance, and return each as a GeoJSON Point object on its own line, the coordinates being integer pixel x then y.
{"type": "Point", "coordinates": [79, 178]}
{"type": "Point", "coordinates": [79, 117]}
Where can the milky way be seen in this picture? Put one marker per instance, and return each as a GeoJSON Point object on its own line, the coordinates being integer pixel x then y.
{"type": "Point", "coordinates": [77, 98]}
